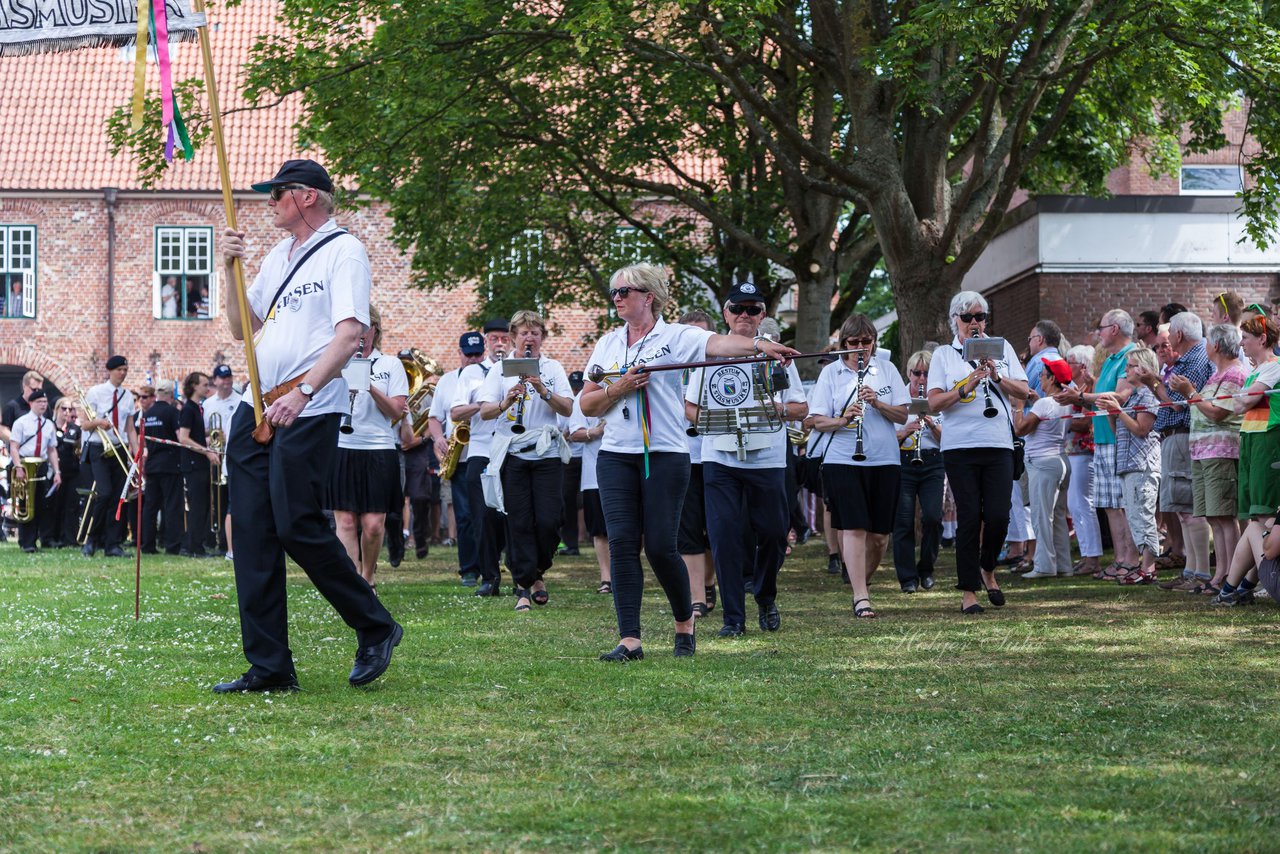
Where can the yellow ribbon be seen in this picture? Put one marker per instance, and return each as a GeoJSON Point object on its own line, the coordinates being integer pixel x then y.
{"type": "Point", "coordinates": [140, 64]}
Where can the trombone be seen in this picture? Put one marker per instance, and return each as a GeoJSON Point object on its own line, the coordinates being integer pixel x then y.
{"type": "Point", "coordinates": [109, 447]}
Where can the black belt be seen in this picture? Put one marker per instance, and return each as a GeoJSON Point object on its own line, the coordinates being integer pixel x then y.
{"type": "Point", "coordinates": [926, 453]}
{"type": "Point", "coordinates": [1172, 431]}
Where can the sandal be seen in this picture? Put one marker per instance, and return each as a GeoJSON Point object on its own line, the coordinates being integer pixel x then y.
{"type": "Point", "coordinates": [700, 609]}
{"type": "Point", "coordinates": [710, 593]}
{"type": "Point", "coordinates": [605, 587]}
{"type": "Point", "coordinates": [1012, 560]}
{"type": "Point", "coordinates": [540, 597]}
{"type": "Point", "coordinates": [1114, 572]}
{"type": "Point", "coordinates": [865, 612]}
{"type": "Point", "coordinates": [1205, 588]}
{"type": "Point", "coordinates": [1137, 576]}
{"type": "Point", "coordinates": [522, 593]}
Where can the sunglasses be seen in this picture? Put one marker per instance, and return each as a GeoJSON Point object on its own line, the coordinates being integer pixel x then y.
{"type": "Point", "coordinates": [977, 315]}
{"type": "Point", "coordinates": [748, 310]}
{"type": "Point", "coordinates": [858, 342]}
{"type": "Point", "coordinates": [919, 373]}
{"type": "Point", "coordinates": [625, 292]}
{"type": "Point", "coordinates": [145, 396]}
{"type": "Point", "coordinates": [1104, 326]}
{"type": "Point", "coordinates": [278, 191]}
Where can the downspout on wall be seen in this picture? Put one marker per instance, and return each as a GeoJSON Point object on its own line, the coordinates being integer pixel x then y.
{"type": "Point", "coordinates": [109, 196]}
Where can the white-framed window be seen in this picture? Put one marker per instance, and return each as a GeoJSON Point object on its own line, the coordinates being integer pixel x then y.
{"type": "Point", "coordinates": [1204, 180]}
{"type": "Point", "coordinates": [629, 245]}
{"type": "Point", "coordinates": [517, 261]}
{"type": "Point", "coordinates": [184, 286]}
{"type": "Point", "coordinates": [18, 271]}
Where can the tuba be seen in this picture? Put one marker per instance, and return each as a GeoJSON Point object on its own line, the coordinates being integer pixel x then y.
{"type": "Point", "coordinates": [457, 441]}
{"type": "Point", "coordinates": [24, 494]}
{"type": "Point", "coordinates": [424, 373]}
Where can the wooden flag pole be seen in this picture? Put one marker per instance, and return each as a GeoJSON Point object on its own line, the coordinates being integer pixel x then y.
{"type": "Point", "coordinates": [228, 204]}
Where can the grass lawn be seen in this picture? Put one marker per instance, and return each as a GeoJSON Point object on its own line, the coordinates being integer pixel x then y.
{"type": "Point", "coordinates": [1080, 717]}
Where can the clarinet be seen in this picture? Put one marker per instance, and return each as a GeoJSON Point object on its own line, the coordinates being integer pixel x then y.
{"type": "Point", "coordinates": [916, 460]}
{"type": "Point", "coordinates": [518, 427]}
{"type": "Point", "coordinates": [859, 454]}
{"type": "Point", "coordinates": [344, 423]}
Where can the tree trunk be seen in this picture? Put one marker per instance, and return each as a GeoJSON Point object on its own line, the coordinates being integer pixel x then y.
{"type": "Point", "coordinates": [923, 293]}
{"type": "Point", "coordinates": [813, 317]}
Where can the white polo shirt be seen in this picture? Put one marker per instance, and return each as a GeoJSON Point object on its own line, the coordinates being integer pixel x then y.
{"type": "Point", "coordinates": [104, 397]}
{"type": "Point", "coordinates": [731, 387]}
{"type": "Point", "coordinates": [666, 344]}
{"type": "Point", "coordinates": [967, 427]}
{"type": "Point", "coordinates": [591, 449]}
{"type": "Point", "coordinates": [537, 412]}
{"type": "Point", "coordinates": [332, 286]}
{"type": "Point", "coordinates": [224, 408]}
{"type": "Point", "coordinates": [879, 435]}
{"type": "Point", "coordinates": [470, 379]}
{"type": "Point", "coordinates": [371, 430]}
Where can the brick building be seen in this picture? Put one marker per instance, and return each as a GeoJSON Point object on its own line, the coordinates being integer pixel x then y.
{"type": "Point", "coordinates": [93, 264]}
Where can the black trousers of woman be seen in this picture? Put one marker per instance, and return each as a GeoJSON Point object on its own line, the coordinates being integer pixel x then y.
{"type": "Point", "coordinates": [531, 494]}
{"type": "Point", "coordinates": [637, 507]}
{"type": "Point", "coordinates": [982, 483]}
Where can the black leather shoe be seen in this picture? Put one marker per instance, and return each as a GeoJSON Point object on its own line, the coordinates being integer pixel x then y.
{"type": "Point", "coordinates": [372, 661]}
{"type": "Point", "coordinates": [395, 562]}
{"type": "Point", "coordinates": [926, 581]}
{"type": "Point", "coordinates": [770, 619]}
{"type": "Point", "coordinates": [621, 654]}
{"type": "Point", "coordinates": [470, 579]}
{"type": "Point", "coordinates": [29, 549]}
{"type": "Point", "coordinates": [685, 645]}
{"type": "Point", "coordinates": [995, 596]}
{"type": "Point", "coordinates": [114, 551]}
{"type": "Point", "coordinates": [833, 564]}
{"type": "Point", "coordinates": [88, 550]}
{"type": "Point", "coordinates": [569, 551]}
{"type": "Point", "coordinates": [420, 553]}
{"type": "Point", "coordinates": [732, 631]}
{"type": "Point", "coordinates": [250, 682]}
{"type": "Point", "coordinates": [489, 588]}
{"type": "Point", "coordinates": [910, 586]}
{"type": "Point", "coordinates": [975, 608]}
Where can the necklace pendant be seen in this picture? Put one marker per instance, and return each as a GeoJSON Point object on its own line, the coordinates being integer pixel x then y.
{"type": "Point", "coordinates": [626, 412]}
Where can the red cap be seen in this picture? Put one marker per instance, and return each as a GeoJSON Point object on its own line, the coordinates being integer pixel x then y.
{"type": "Point", "coordinates": [1060, 369]}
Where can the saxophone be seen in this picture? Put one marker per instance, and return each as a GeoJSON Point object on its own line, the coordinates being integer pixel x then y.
{"type": "Point", "coordinates": [457, 441]}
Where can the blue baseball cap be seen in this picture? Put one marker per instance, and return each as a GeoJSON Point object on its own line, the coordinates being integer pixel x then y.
{"type": "Point", "coordinates": [471, 343]}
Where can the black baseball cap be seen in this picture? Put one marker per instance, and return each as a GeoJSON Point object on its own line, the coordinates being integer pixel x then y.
{"type": "Point", "coordinates": [575, 380]}
{"type": "Point", "coordinates": [471, 343]}
{"type": "Point", "coordinates": [307, 172]}
{"type": "Point", "coordinates": [222, 371]}
{"type": "Point", "coordinates": [745, 292]}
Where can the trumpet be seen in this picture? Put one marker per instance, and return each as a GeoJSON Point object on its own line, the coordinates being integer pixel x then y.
{"type": "Point", "coordinates": [518, 427]}
{"type": "Point", "coordinates": [798, 436]}
{"type": "Point", "coordinates": [458, 440]}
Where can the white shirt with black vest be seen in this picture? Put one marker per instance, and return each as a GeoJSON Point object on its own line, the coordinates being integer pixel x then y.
{"type": "Point", "coordinates": [330, 287]}
{"type": "Point", "coordinates": [732, 387]}
{"type": "Point", "coordinates": [967, 427]}
{"type": "Point", "coordinates": [116, 405]}
{"type": "Point", "coordinates": [370, 429]}
{"type": "Point", "coordinates": [666, 344]}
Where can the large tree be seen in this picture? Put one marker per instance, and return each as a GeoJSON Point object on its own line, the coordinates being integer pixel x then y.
{"type": "Point", "coordinates": [794, 136]}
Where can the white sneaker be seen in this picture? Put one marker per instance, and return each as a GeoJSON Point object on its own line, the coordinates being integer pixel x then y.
{"type": "Point", "coordinates": [1035, 573]}
{"type": "Point", "coordinates": [228, 556]}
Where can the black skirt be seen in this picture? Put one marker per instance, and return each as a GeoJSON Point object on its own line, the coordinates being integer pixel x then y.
{"type": "Point", "coordinates": [861, 498]}
{"type": "Point", "coordinates": [593, 513]}
{"type": "Point", "coordinates": [365, 481]}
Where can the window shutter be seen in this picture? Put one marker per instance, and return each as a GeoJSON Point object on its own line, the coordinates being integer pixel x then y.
{"type": "Point", "coordinates": [215, 295]}
{"type": "Point", "coordinates": [156, 308]}
{"type": "Point", "coordinates": [28, 293]}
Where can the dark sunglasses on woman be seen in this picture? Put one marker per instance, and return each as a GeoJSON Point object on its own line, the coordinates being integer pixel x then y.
{"type": "Point", "coordinates": [978, 316]}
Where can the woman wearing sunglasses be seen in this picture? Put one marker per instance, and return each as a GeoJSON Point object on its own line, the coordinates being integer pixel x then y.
{"type": "Point", "coordinates": [643, 464]}
{"type": "Point", "coordinates": [858, 401]}
{"type": "Point", "coordinates": [977, 451]}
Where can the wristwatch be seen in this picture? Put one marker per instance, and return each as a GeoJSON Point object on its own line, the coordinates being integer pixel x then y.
{"type": "Point", "coordinates": [307, 390]}
{"type": "Point", "coordinates": [546, 396]}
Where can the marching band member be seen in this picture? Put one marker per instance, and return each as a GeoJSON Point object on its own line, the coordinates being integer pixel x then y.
{"type": "Point", "coordinates": [32, 436]}
{"type": "Point", "coordinates": [643, 467]}
{"type": "Point", "coordinates": [691, 540]}
{"type": "Point", "coordinates": [588, 432]}
{"type": "Point", "coordinates": [529, 451]}
{"type": "Point", "coordinates": [977, 451]}
{"type": "Point", "coordinates": [198, 464]}
{"type": "Point", "coordinates": [113, 409]}
{"type": "Point", "coordinates": [364, 482]}
{"type": "Point", "coordinates": [310, 307]}
{"type": "Point", "coordinates": [219, 408]}
{"type": "Point", "coordinates": [756, 484]}
{"type": "Point", "coordinates": [922, 482]}
{"type": "Point", "coordinates": [488, 528]}
{"type": "Point", "coordinates": [857, 401]}
{"type": "Point", "coordinates": [440, 427]}
{"type": "Point", "coordinates": [65, 511]}
{"type": "Point", "coordinates": [163, 493]}
{"type": "Point", "coordinates": [572, 484]}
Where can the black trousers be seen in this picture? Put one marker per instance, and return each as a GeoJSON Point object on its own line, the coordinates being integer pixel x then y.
{"type": "Point", "coordinates": [420, 508]}
{"type": "Point", "coordinates": [637, 508]}
{"type": "Point", "coordinates": [469, 517]}
{"type": "Point", "coordinates": [276, 491]}
{"type": "Point", "coordinates": [488, 527]}
{"type": "Point", "coordinates": [217, 537]}
{"type": "Point", "coordinates": [982, 483]}
{"type": "Point", "coordinates": [728, 491]}
{"type": "Point", "coordinates": [923, 483]}
{"type": "Point", "coordinates": [196, 485]}
{"type": "Point", "coordinates": [794, 511]}
{"type": "Point", "coordinates": [530, 489]}
{"type": "Point", "coordinates": [571, 491]}
{"type": "Point", "coordinates": [108, 478]}
{"type": "Point", "coordinates": [163, 496]}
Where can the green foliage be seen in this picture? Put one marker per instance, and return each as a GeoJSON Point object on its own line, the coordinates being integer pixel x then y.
{"type": "Point", "coordinates": [146, 145]}
{"type": "Point", "coordinates": [1056, 724]}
